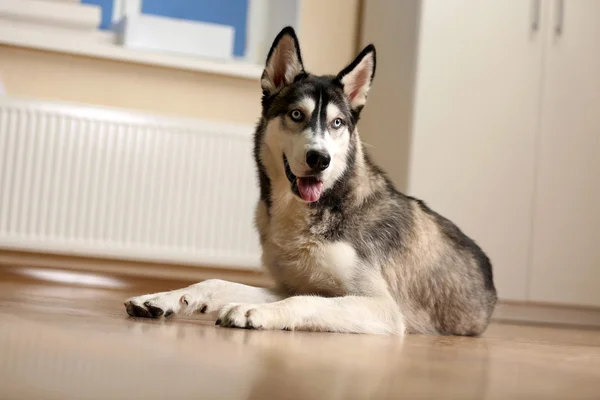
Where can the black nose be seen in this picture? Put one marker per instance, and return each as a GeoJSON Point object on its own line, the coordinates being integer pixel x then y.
{"type": "Point", "coordinates": [317, 160]}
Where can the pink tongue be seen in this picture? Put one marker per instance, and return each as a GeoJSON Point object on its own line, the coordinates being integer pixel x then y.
{"type": "Point", "coordinates": [310, 189]}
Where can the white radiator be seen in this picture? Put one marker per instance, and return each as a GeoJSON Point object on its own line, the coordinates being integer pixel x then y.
{"type": "Point", "coordinates": [119, 184]}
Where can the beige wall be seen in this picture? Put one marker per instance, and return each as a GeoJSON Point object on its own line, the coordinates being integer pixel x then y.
{"type": "Point", "coordinates": [327, 34]}
{"type": "Point", "coordinates": [386, 123]}
{"type": "Point", "coordinates": [58, 76]}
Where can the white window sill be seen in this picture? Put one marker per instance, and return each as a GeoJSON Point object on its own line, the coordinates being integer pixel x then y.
{"type": "Point", "coordinates": [99, 45]}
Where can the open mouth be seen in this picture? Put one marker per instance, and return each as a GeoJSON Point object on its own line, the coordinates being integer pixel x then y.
{"type": "Point", "coordinates": [308, 188]}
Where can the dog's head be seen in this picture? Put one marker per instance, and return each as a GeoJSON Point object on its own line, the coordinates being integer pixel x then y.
{"type": "Point", "coordinates": [310, 120]}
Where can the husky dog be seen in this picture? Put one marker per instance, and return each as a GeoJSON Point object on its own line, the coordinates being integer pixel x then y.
{"type": "Point", "coordinates": [349, 253]}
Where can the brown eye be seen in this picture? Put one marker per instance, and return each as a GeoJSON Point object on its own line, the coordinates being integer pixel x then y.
{"type": "Point", "coordinates": [337, 123]}
{"type": "Point", "coordinates": [296, 115]}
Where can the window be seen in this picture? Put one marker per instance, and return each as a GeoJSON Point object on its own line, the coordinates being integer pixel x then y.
{"type": "Point", "coordinates": [231, 12]}
{"type": "Point", "coordinates": [229, 37]}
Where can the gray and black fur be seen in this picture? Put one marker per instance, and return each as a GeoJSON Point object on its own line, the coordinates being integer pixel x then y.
{"type": "Point", "coordinates": [349, 253]}
{"type": "Point", "coordinates": [456, 292]}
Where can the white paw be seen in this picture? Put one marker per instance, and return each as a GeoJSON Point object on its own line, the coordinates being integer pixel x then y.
{"type": "Point", "coordinates": [155, 305]}
{"type": "Point", "coordinates": [250, 316]}
{"type": "Point", "coordinates": [201, 298]}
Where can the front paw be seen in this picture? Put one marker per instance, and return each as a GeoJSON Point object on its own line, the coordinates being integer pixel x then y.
{"type": "Point", "coordinates": [250, 316]}
{"type": "Point", "coordinates": [200, 298]}
{"type": "Point", "coordinates": [155, 305]}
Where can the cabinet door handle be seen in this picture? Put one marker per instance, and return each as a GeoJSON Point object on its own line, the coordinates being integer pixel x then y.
{"type": "Point", "coordinates": [535, 15]}
{"type": "Point", "coordinates": [560, 16]}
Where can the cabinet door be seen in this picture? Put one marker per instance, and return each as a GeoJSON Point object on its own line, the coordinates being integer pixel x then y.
{"type": "Point", "coordinates": [566, 237]}
{"type": "Point", "coordinates": [475, 120]}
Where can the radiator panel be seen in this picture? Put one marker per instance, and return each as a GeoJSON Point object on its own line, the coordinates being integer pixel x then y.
{"type": "Point", "coordinates": [108, 183]}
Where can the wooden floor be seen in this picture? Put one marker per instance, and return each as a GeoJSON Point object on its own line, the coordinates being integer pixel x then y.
{"type": "Point", "coordinates": [65, 335]}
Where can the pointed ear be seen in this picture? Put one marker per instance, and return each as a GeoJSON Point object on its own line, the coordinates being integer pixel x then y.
{"type": "Point", "coordinates": [284, 61]}
{"type": "Point", "coordinates": [356, 77]}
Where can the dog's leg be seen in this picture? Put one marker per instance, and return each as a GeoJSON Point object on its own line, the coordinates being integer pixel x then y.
{"type": "Point", "coordinates": [204, 297]}
{"type": "Point", "coordinates": [348, 314]}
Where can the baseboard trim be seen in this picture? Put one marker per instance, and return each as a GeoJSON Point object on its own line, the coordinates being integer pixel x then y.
{"type": "Point", "coordinates": [133, 268]}
{"type": "Point", "coordinates": [553, 314]}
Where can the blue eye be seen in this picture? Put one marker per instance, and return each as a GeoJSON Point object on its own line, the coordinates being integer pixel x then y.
{"type": "Point", "coordinates": [337, 123]}
{"type": "Point", "coordinates": [296, 115]}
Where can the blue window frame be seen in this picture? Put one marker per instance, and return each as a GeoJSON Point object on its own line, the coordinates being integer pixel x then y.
{"type": "Point", "coordinates": [226, 12]}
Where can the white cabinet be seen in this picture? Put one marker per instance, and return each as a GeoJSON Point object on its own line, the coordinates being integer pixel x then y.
{"type": "Point", "coordinates": [503, 131]}
{"type": "Point", "coordinates": [566, 237]}
{"type": "Point", "coordinates": [476, 111]}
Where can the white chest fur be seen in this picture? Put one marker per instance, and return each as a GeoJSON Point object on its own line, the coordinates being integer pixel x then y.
{"type": "Point", "coordinates": [301, 260]}
{"type": "Point", "coordinates": [339, 259]}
